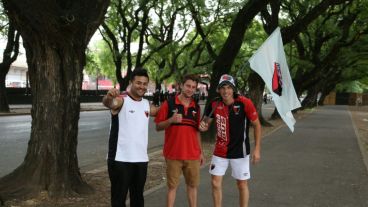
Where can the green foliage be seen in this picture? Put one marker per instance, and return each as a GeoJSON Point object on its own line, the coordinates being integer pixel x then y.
{"type": "Point", "coordinates": [253, 39]}
{"type": "Point", "coordinates": [4, 21]}
{"type": "Point", "coordinates": [99, 61]}
{"type": "Point", "coordinates": [331, 49]}
{"type": "Point", "coordinates": [185, 51]}
{"type": "Point", "coordinates": [352, 87]}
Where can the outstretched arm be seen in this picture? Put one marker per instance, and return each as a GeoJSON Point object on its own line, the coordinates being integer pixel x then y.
{"type": "Point", "coordinates": [112, 100]}
{"type": "Point", "coordinates": [256, 155]}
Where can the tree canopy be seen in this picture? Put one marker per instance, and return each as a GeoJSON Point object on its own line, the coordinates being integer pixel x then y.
{"type": "Point", "coordinates": [325, 42]}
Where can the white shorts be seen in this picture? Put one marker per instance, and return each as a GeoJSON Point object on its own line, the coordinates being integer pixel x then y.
{"type": "Point", "coordinates": [239, 167]}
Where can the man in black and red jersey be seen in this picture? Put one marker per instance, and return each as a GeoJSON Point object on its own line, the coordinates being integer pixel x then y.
{"type": "Point", "coordinates": [233, 114]}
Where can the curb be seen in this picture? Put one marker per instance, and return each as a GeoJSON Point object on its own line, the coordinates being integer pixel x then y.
{"type": "Point", "coordinates": [360, 143]}
{"type": "Point", "coordinates": [28, 113]}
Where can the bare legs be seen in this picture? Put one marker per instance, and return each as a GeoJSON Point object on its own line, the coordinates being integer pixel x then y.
{"type": "Point", "coordinates": [217, 191]}
{"type": "Point", "coordinates": [191, 193]}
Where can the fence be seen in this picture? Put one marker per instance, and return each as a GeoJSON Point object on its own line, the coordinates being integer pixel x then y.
{"type": "Point", "coordinates": [24, 96]}
{"type": "Point", "coordinates": [346, 99]}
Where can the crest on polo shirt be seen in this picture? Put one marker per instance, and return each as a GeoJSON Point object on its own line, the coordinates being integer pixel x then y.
{"type": "Point", "coordinates": [146, 112]}
{"type": "Point", "coordinates": [236, 109]}
{"type": "Point", "coordinates": [194, 113]}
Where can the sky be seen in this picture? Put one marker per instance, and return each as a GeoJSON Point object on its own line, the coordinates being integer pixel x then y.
{"type": "Point", "coordinates": [21, 59]}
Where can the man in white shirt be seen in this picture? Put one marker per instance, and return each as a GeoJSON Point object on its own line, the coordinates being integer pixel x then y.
{"type": "Point", "coordinates": [127, 156]}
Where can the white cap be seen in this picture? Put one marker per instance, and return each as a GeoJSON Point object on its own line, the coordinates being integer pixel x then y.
{"type": "Point", "coordinates": [226, 79]}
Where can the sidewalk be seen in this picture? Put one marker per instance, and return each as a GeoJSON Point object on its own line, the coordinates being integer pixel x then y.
{"type": "Point", "coordinates": [320, 165]}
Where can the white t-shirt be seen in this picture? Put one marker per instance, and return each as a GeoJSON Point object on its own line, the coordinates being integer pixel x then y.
{"type": "Point", "coordinates": [133, 131]}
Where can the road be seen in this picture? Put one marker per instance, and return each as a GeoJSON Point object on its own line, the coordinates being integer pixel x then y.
{"type": "Point", "coordinates": [92, 139]}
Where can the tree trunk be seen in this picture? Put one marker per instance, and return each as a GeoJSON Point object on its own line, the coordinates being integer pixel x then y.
{"type": "Point", "coordinates": [230, 49]}
{"type": "Point", "coordinates": [51, 161]}
{"type": "Point", "coordinates": [28, 91]}
{"type": "Point", "coordinates": [4, 105]}
{"type": "Point", "coordinates": [256, 88]}
{"type": "Point", "coordinates": [158, 84]}
{"type": "Point", "coordinates": [310, 100]}
{"type": "Point", "coordinates": [10, 54]}
{"type": "Point", "coordinates": [55, 47]}
{"type": "Point", "coordinates": [322, 99]}
{"type": "Point", "coordinates": [97, 84]}
{"type": "Point", "coordinates": [275, 115]}
{"type": "Point", "coordinates": [123, 81]}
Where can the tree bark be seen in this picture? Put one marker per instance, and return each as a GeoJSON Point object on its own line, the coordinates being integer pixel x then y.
{"type": "Point", "coordinates": [9, 56]}
{"type": "Point", "coordinates": [256, 88]}
{"type": "Point", "coordinates": [55, 37]}
{"type": "Point", "coordinates": [4, 105]}
{"type": "Point", "coordinates": [310, 100]}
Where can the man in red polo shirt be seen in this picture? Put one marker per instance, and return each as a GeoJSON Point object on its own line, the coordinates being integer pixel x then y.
{"type": "Point", "coordinates": [180, 117]}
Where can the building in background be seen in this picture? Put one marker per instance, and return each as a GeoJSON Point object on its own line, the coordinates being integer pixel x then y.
{"type": "Point", "coordinates": [17, 77]}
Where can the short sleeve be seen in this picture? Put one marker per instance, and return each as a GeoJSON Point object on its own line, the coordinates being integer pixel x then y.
{"type": "Point", "coordinates": [162, 113]}
{"type": "Point", "coordinates": [250, 110]}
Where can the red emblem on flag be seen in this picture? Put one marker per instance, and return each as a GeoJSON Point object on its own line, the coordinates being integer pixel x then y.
{"type": "Point", "coordinates": [277, 80]}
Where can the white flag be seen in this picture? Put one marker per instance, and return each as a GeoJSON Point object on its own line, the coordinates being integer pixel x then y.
{"type": "Point", "coordinates": [270, 63]}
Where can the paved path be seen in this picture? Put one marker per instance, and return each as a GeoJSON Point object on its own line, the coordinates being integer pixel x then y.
{"type": "Point", "coordinates": [319, 165]}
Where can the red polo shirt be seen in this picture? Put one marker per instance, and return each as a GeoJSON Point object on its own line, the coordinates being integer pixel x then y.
{"type": "Point", "coordinates": [181, 141]}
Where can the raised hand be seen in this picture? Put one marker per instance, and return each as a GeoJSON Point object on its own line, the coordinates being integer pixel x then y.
{"type": "Point", "coordinates": [113, 93]}
{"type": "Point", "coordinates": [176, 118]}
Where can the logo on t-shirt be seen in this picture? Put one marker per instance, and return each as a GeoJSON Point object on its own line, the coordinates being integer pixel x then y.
{"type": "Point", "coordinates": [236, 109]}
{"type": "Point", "coordinates": [131, 111]}
{"type": "Point", "coordinates": [213, 166]}
{"type": "Point", "coordinates": [146, 112]}
{"type": "Point", "coordinates": [194, 113]}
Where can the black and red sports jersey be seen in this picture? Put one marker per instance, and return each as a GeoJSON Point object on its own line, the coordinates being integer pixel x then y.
{"type": "Point", "coordinates": [232, 126]}
{"type": "Point", "coordinates": [181, 140]}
